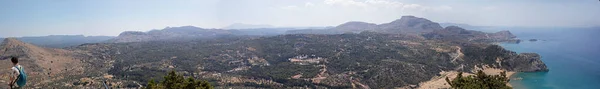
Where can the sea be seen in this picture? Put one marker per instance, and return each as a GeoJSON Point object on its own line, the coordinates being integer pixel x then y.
{"type": "Point", "coordinates": [571, 54]}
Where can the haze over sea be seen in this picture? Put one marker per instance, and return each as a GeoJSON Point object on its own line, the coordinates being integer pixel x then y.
{"type": "Point", "coordinates": [571, 54]}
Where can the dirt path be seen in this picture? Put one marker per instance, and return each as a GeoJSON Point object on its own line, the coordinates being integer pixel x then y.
{"type": "Point", "coordinates": [361, 85]}
{"type": "Point", "coordinates": [320, 76]}
{"type": "Point", "coordinates": [459, 53]}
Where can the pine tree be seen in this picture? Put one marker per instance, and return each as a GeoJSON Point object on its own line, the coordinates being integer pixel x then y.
{"type": "Point", "coordinates": [480, 81]}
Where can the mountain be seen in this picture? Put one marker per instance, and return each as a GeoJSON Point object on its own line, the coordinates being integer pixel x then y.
{"type": "Point", "coordinates": [169, 33]}
{"type": "Point", "coordinates": [410, 25]}
{"type": "Point", "coordinates": [355, 27]}
{"type": "Point", "coordinates": [61, 41]}
{"type": "Point", "coordinates": [247, 26]}
{"type": "Point", "coordinates": [186, 33]}
{"type": "Point", "coordinates": [404, 25]}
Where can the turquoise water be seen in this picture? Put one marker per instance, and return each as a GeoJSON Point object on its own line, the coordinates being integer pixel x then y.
{"type": "Point", "coordinates": [572, 55]}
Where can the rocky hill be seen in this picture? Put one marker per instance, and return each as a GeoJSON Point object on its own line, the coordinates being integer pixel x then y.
{"type": "Point", "coordinates": [43, 65]}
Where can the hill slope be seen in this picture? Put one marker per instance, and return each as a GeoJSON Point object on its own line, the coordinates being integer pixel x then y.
{"type": "Point", "coordinates": [61, 41]}
{"type": "Point", "coordinates": [43, 65]}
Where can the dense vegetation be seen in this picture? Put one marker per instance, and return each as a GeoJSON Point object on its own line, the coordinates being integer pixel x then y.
{"type": "Point", "coordinates": [175, 81]}
{"type": "Point", "coordinates": [479, 81]}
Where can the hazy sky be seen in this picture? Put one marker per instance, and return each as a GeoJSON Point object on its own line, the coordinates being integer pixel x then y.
{"type": "Point", "coordinates": [110, 17]}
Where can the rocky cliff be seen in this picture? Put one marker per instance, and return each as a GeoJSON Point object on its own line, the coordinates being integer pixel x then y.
{"type": "Point", "coordinates": [525, 62]}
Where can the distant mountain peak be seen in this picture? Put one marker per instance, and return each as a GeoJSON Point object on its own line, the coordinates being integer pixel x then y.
{"type": "Point", "coordinates": [351, 23]}
{"type": "Point", "coordinates": [355, 26]}
{"type": "Point", "coordinates": [410, 24]}
{"type": "Point", "coordinates": [183, 27]}
{"type": "Point", "coordinates": [412, 21]}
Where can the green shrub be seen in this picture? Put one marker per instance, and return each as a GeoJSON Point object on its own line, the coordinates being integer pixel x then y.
{"type": "Point", "coordinates": [175, 81]}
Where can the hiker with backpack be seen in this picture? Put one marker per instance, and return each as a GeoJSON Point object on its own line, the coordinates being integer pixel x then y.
{"type": "Point", "coordinates": [18, 77]}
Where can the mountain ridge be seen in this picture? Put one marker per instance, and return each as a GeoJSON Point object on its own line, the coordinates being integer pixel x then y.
{"type": "Point", "coordinates": [416, 26]}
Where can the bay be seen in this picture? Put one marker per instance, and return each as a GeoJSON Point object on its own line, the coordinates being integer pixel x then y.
{"type": "Point", "coordinates": [571, 54]}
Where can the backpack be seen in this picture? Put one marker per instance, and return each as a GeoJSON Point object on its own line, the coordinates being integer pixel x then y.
{"type": "Point", "coordinates": [22, 78]}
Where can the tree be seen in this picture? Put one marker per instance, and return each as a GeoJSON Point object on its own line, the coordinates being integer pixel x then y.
{"type": "Point", "coordinates": [175, 81]}
{"type": "Point", "coordinates": [480, 81]}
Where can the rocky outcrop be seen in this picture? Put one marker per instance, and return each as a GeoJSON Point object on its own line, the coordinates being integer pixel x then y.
{"type": "Point", "coordinates": [503, 35]}
{"type": "Point", "coordinates": [511, 61]}
{"type": "Point", "coordinates": [526, 62]}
